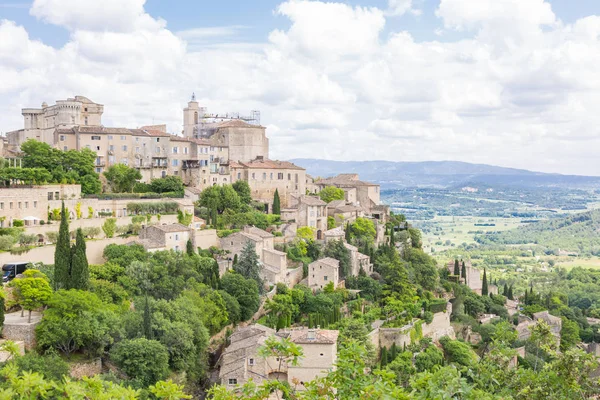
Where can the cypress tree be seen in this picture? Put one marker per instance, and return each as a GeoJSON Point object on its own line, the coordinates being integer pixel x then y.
{"type": "Point", "coordinates": [62, 253]}
{"type": "Point", "coordinates": [510, 293]}
{"type": "Point", "coordinates": [1, 313]}
{"type": "Point", "coordinates": [347, 232]}
{"type": "Point", "coordinates": [456, 268]}
{"type": "Point", "coordinates": [505, 292]}
{"type": "Point", "coordinates": [148, 332]}
{"type": "Point", "coordinates": [384, 357]}
{"type": "Point", "coordinates": [464, 271]}
{"type": "Point", "coordinates": [80, 273]}
{"type": "Point", "coordinates": [213, 217]}
{"type": "Point", "coordinates": [235, 260]}
{"type": "Point", "coordinates": [392, 239]}
{"type": "Point", "coordinates": [393, 352]}
{"type": "Point", "coordinates": [276, 203]}
{"type": "Point", "coordinates": [484, 286]}
{"type": "Point", "coordinates": [189, 248]}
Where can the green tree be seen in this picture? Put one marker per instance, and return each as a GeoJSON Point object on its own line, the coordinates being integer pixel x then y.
{"type": "Point", "coordinates": [145, 361]}
{"type": "Point", "coordinates": [122, 178]}
{"type": "Point", "coordinates": [166, 184]}
{"type": "Point", "coordinates": [569, 334]}
{"type": "Point", "coordinates": [77, 321]}
{"type": "Point", "coordinates": [109, 227]}
{"type": "Point", "coordinates": [456, 267]}
{"type": "Point", "coordinates": [276, 203]}
{"type": "Point", "coordinates": [283, 351]}
{"type": "Point", "coordinates": [168, 391]}
{"type": "Point", "coordinates": [337, 249]}
{"type": "Point", "coordinates": [189, 248]}
{"type": "Point", "coordinates": [364, 228]}
{"type": "Point", "coordinates": [464, 271]}
{"type": "Point", "coordinates": [184, 218]}
{"type": "Point", "coordinates": [33, 290]}
{"type": "Point", "coordinates": [245, 291]}
{"type": "Point", "coordinates": [428, 358]}
{"type": "Point", "coordinates": [484, 285]}
{"type": "Point", "coordinates": [243, 191]}
{"type": "Point", "coordinates": [80, 274]}
{"type": "Point", "coordinates": [148, 332]}
{"type": "Point", "coordinates": [458, 352]}
{"type": "Point", "coordinates": [305, 233]}
{"type": "Point", "coordinates": [510, 293]}
{"type": "Point", "coordinates": [424, 268]}
{"type": "Point", "coordinates": [331, 193]}
{"type": "Point", "coordinates": [248, 265]}
{"type": "Point", "coordinates": [62, 253]}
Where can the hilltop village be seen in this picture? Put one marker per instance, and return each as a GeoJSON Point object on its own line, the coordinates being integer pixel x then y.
{"type": "Point", "coordinates": [162, 265]}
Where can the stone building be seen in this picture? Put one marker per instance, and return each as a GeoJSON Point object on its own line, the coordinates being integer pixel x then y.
{"type": "Point", "coordinates": [358, 193]}
{"type": "Point", "coordinates": [41, 123]}
{"type": "Point", "coordinates": [344, 212]}
{"type": "Point", "coordinates": [274, 266]}
{"type": "Point", "coordinates": [473, 279]}
{"type": "Point", "coordinates": [241, 360]}
{"type": "Point", "coordinates": [358, 261]}
{"type": "Point", "coordinates": [307, 211]}
{"type": "Point", "coordinates": [264, 176]}
{"type": "Point", "coordinates": [323, 271]}
{"type": "Point", "coordinates": [165, 237]}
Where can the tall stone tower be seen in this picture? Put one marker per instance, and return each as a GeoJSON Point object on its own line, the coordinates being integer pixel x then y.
{"type": "Point", "coordinates": [192, 115]}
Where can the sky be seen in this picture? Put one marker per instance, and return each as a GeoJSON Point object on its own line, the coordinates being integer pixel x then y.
{"type": "Point", "coordinates": [513, 83]}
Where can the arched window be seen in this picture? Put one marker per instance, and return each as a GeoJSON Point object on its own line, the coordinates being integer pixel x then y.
{"type": "Point", "coordinates": [196, 117]}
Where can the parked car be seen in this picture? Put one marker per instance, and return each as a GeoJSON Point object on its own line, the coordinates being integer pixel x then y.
{"type": "Point", "coordinates": [11, 270]}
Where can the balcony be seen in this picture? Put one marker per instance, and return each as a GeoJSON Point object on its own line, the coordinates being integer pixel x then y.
{"type": "Point", "coordinates": [190, 164]}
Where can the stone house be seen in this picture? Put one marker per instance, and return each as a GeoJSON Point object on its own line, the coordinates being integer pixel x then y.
{"type": "Point", "coordinates": [358, 261]}
{"type": "Point", "coordinates": [241, 361]}
{"type": "Point", "coordinates": [473, 279]}
{"type": "Point", "coordinates": [165, 237]}
{"type": "Point", "coordinates": [307, 211]}
{"type": "Point", "coordinates": [264, 176]}
{"type": "Point", "coordinates": [323, 271]}
{"type": "Point", "coordinates": [344, 212]}
{"type": "Point", "coordinates": [359, 193]}
{"type": "Point", "coordinates": [526, 323]}
{"type": "Point", "coordinates": [273, 262]}
{"type": "Point", "coordinates": [334, 234]}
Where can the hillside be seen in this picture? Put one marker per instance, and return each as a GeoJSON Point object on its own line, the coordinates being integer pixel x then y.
{"type": "Point", "coordinates": [444, 174]}
{"type": "Point", "coordinates": [576, 233]}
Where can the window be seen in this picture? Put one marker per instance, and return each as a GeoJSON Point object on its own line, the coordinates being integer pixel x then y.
{"type": "Point", "coordinates": [62, 138]}
{"type": "Point", "coordinates": [271, 176]}
{"type": "Point", "coordinates": [157, 140]}
{"type": "Point", "coordinates": [239, 175]}
{"type": "Point", "coordinates": [1, 206]}
{"type": "Point", "coordinates": [85, 109]}
{"type": "Point", "coordinates": [11, 205]}
{"type": "Point", "coordinates": [176, 248]}
{"type": "Point", "coordinates": [110, 137]}
{"type": "Point", "coordinates": [123, 137]}
{"type": "Point", "coordinates": [65, 148]}
{"type": "Point", "coordinates": [95, 137]}
{"type": "Point", "coordinates": [19, 205]}
{"type": "Point", "coordinates": [157, 150]}
{"type": "Point", "coordinates": [175, 163]}
{"type": "Point", "coordinates": [253, 175]}
{"type": "Point", "coordinates": [124, 148]}
{"type": "Point", "coordinates": [175, 150]}
{"type": "Point", "coordinates": [232, 381]}
{"type": "Point", "coordinates": [176, 236]}
{"type": "Point", "coordinates": [111, 147]}
{"type": "Point", "coordinates": [86, 121]}
{"type": "Point", "coordinates": [325, 278]}
{"type": "Point", "coordinates": [97, 148]}
{"type": "Point", "coordinates": [137, 149]}
{"type": "Point", "coordinates": [56, 196]}
{"type": "Point", "coordinates": [125, 161]}
{"type": "Point", "coordinates": [264, 176]}
{"type": "Point", "coordinates": [98, 170]}
{"type": "Point", "coordinates": [289, 177]}
{"type": "Point", "coordinates": [26, 204]}
{"type": "Point", "coordinates": [50, 194]}
{"type": "Point", "coordinates": [280, 175]}
{"type": "Point", "coordinates": [251, 361]}
{"type": "Point", "coordinates": [321, 354]}
{"type": "Point", "coordinates": [185, 150]}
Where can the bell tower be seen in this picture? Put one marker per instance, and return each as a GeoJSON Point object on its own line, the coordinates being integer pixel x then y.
{"type": "Point", "coordinates": [191, 117]}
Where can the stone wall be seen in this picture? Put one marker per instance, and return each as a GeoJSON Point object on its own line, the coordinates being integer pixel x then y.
{"type": "Point", "coordinates": [294, 276]}
{"type": "Point", "coordinates": [24, 332]}
{"type": "Point", "coordinates": [82, 369]}
{"type": "Point", "coordinates": [206, 238]}
{"type": "Point", "coordinates": [45, 254]}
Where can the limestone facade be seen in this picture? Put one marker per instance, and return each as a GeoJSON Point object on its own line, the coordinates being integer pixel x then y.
{"type": "Point", "coordinates": [322, 272]}
{"type": "Point", "coordinates": [165, 237]}
{"type": "Point", "coordinates": [241, 360]}
{"type": "Point", "coordinates": [308, 211]}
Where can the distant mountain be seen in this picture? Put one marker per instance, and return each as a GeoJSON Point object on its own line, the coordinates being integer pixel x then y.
{"type": "Point", "coordinates": [444, 174]}
{"type": "Point", "coordinates": [576, 233]}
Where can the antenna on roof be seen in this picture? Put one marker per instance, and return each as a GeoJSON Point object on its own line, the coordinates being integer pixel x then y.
{"type": "Point", "coordinates": [193, 96]}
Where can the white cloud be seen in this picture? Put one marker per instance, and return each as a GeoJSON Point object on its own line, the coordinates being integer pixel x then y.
{"type": "Point", "coordinates": [520, 88]}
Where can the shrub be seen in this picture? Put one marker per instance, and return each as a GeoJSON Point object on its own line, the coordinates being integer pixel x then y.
{"type": "Point", "coordinates": [7, 242]}
{"type": "Point", "coordinates": [18, 223]}
{"type": "Point", "coordinates": [145, 361]}
{"type": "Point", "coordinates": [109, 227]}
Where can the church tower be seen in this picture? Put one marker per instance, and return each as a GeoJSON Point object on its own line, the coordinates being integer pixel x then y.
{"type": "Point", "coordinates": [192, 115]}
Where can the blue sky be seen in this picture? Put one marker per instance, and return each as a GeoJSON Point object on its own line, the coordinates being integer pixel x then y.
{"type": "Point", "coordinates": [504, 82]}
{"type": "Point", "coordinates": [256, 18]}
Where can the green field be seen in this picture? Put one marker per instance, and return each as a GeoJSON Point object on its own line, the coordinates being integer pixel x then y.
{"type": "Point", "coordinates": [444, 233]}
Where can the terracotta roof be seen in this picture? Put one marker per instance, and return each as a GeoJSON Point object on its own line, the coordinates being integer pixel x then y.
{"type": "Point", "coordinates": [237, 123]}
{"type": "Point", "coordinates": [258, 232]}
{"type": "Point", "coordinates": [172, 228]}
{"type": "Point", "coordinates": [319, 336]}
{"type": "Point", "coordinates": [350, 180]}
{"type": "Point", "coordinates": [332, 262]}
{"type": "Point", "coordinates": [267, 164]}
{"type": "Point", "coordinates": [312, 201]}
